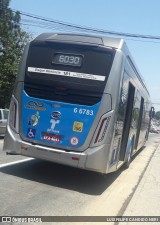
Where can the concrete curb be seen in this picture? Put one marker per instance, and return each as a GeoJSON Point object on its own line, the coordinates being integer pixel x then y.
{"type": "Point", "coordinates": [146, 198]}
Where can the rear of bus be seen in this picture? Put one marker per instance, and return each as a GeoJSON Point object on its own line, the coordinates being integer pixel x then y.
{"type": "Point", "coordinates": [59, 111]}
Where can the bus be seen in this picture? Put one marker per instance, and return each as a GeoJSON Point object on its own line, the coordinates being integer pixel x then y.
{"type": "Point", "coordinates": [80, 101]}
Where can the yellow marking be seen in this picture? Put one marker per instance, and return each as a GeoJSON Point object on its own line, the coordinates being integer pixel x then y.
{"type": "Point", "coordinates": [77, 126]}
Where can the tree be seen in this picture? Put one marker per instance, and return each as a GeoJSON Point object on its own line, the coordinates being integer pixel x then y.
{"type": "Point", "coordinates": [12, 42]}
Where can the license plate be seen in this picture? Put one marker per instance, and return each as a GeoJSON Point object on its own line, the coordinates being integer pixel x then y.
{"type": "Point", "coordinates": [52, 137]}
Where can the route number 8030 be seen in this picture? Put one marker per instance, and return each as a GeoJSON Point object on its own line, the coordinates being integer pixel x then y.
{"type": "Point", "coordinates": [83, 111]}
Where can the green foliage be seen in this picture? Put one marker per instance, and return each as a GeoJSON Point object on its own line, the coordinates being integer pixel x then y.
{"type": "Point", "coordinates": [157, 115]}
{"type": "Point", "coordinates": [12, 42]}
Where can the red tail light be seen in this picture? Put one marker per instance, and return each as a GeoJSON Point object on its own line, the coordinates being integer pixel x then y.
{"type": "Point", "coordinates": [102, 130]}
{"type": "Point", "coordinates": [13, 117]}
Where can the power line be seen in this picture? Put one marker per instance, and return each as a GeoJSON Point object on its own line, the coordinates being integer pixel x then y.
{"type": "Point", "coordinates": [49, 25]}
{"type": "Point", "coordinates": [87, 29]}
{"type": "Point", "coordinates": [54, 27]}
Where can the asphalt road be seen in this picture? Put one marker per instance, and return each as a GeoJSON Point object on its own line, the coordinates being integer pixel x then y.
{"type": "Point", "coordinates": [41, 188]}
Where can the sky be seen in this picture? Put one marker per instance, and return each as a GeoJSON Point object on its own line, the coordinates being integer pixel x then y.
{"type": "Point", "coordinates": [127, 16]}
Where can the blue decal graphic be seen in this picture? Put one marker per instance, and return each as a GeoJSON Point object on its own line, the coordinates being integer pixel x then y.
{"type": "Point", "coordinates": [33, 119]}
{"type": "Point", "coordinates": [67, 125]}
{"type": "Point", "coordinates": [53, 124]}
{"type": "Point", "coordinates": [56, 115]}
{"type": "Point", "coordinates": [31, 133]}
{"type": "Point", "coordinates": [35, 105]}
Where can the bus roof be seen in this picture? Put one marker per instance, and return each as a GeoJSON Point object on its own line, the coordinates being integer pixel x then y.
{"type": "Point", "coordinates": [82, 38]}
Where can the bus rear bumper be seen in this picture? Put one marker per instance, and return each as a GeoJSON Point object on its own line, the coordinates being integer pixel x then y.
{"type": "Point", "coordinates": [91, 159]}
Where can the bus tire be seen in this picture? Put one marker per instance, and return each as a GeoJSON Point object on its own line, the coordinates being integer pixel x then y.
{"type": "Point", "coordinates": [128, 160]}
{"type": "Point", "coordinates": [146, 139]}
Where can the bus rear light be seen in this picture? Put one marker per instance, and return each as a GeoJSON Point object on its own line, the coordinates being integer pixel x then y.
{"type": "Point", "coordinates": [13, 117]}
{"type": "Point", "coordinates": [102, 130]}
{"type": "Point", "coordinates": [75, 158]}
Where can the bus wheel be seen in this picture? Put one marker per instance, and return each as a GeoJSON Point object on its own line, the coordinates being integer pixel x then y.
{"type": "Point", "coordinates": [146, 139]}
{"type": "Point", "coordinates": [128, 160]}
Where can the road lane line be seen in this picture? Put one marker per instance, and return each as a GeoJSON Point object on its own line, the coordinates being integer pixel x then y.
{"type": "Point", "coordinates": [16, 162]}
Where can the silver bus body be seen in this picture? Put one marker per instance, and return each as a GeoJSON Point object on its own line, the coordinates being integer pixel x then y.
{"type": "Point", "coordinates": [120, 126]}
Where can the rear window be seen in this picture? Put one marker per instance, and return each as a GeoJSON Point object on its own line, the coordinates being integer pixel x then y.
{"type": "Point", "coordinates": [67, 73]}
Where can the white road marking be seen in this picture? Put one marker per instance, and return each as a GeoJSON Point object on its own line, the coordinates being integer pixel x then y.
{"type": "Point", "coordinates": [16, 162]}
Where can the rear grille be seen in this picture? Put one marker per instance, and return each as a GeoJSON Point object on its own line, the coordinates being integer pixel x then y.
{"type": "Point", "coordinates": [60, 94]}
